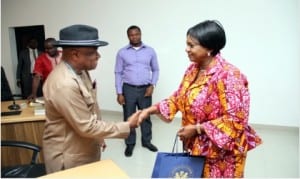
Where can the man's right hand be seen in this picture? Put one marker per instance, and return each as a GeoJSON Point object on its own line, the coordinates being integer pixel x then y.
{"type": "Point", "coordinates": [133, 119]}
{"type": "Point", "coordinates": [31, 98]}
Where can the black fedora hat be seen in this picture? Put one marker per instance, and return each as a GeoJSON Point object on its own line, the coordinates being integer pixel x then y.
{"type": "Point", "coordinates": [79, 35]}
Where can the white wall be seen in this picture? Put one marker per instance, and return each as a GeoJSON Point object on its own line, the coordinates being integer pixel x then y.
{"type": "Point", "coordinates": [262, 40]}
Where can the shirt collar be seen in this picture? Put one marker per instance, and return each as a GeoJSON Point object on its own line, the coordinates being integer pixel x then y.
{"type": "Point", "coordinates": [130, 46]}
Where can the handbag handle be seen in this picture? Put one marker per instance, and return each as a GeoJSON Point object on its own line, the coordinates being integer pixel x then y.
{"type": "Point", "coordinates": [175, 144]}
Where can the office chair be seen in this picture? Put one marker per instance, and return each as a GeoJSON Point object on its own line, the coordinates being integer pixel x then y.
{"type": "Point", "coordinates": [6, 94]}
{"type": "Point", "coordinates": [31, 170]}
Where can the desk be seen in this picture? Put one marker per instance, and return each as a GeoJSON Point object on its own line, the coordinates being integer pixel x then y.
{"type": "Point", "coordinates": [24, 127]}
{"type": "Point", "coordinates": [27, 114]}
{"type": "Point", "coordinates": [101, 169]}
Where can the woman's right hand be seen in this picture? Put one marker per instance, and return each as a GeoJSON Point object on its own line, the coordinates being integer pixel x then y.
{"type": "Point", "coordinates": [133, 119]}
{"type": "Point", "coordinates": [143, 115]}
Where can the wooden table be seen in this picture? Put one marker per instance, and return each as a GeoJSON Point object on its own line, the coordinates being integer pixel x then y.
{"type": "Point", "coordinates": [24, 127]}
{"type": "Point", "coordinates": [101, 169]}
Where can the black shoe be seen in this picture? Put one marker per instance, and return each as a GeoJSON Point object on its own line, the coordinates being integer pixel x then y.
{"type": "Point", "coordinates": [150, 147]}
{"type": "Point", "coordinates": [129, 150]}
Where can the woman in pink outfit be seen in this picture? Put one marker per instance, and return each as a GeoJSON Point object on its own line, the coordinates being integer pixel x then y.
{"type": "Point", "coordinates": [214, 99]}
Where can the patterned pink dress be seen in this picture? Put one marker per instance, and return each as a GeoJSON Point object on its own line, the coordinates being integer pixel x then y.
{"type": "Point", "coordinates": [219, 101]}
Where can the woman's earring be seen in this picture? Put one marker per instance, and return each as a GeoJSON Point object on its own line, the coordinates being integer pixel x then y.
{"type": "Point", "coordinates": [208, 53]}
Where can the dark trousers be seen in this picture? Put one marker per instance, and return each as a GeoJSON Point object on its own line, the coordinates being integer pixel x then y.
{"type": "Point", "coordinates": [135, 99]}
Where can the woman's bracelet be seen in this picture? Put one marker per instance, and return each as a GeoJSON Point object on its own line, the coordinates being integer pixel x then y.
{"type": "Point", "coordinates": [198, 128]}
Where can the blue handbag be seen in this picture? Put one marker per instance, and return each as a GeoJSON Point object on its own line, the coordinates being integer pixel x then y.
{"type": "Point", "coordinates": [177, 165]}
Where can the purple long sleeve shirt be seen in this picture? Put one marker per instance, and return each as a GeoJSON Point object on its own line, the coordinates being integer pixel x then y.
{"type": "Point", "coordinates": [136, 67]}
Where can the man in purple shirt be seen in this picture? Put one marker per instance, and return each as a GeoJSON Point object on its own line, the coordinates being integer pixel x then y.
{"type": "Point", "coordinates": [136, 74]}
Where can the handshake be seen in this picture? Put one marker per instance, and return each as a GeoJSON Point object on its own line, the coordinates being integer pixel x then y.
{"type": "Point", "coordinates": [137, 118]}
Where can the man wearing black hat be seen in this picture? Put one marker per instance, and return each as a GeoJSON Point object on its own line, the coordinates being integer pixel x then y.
{"type": "Point", "coordinates": [74, 132]}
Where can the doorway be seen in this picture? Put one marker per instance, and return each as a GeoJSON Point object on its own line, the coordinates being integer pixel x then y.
{"type": "Point", "coordinates": [18, 38]}
{"type": "Point", "coordinates": [24, 33]}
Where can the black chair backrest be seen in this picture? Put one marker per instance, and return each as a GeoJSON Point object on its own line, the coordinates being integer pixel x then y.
{"type": "Point", "coordinates": [6, 94]}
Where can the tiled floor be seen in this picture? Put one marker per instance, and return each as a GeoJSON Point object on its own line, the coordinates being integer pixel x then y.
{"type": "Point", "coordinates": [278, 156]}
